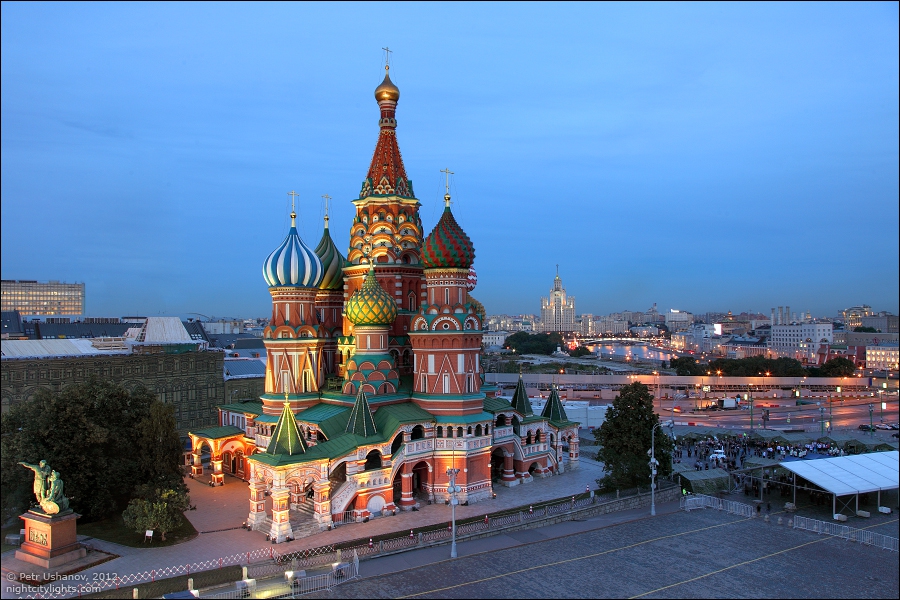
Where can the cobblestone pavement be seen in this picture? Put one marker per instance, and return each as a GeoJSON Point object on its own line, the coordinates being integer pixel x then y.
{"type": "Point", "coordinates": [702, 554]}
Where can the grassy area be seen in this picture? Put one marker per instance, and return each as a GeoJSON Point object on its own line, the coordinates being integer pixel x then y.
{"type": "Point", "coordinates": [113, 530]}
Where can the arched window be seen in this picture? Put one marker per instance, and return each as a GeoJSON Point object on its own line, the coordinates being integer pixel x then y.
{"type": "Point", "coordinates": [446, 383]}
{"type": "Point", "coordinates": [501, 420]}
{"type": "Point", "coordinates": [373, 460]}
{"type": "Point", "coordinates": [449, 432]}
{"type": "Point", "coordinates": [537, 437]}
{"type": "Point", "coordinates": [478, 430]}
{"type": "Point", "coordinates": [459, 432]}
{"type": "Point", "coordinates": [398, 441]}
{"type": "Point", "coordinates": [418, 433]}
{"type": "Point", "coordinates": [469, 430]}
{"type": "Point", "coordinates": [440, 431]}
{"type": "Point", "coordinates": [528, 439]}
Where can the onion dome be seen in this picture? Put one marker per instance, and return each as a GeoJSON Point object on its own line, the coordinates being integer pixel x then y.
{"type": "Point", "coordinates": [472, 279]}
{"type": "Point", "coordinates": [293, 263]}
{"type": "Point", "coordinates": [370, 304]}
{"type": "Point", "coordinates": [332, 262]}
{"type": "Point", "coordinates": [387, 90]}
{"type": "Point", "coordinates": [447, 245]}
{"type": "Point", "coordinates": [478, 306]}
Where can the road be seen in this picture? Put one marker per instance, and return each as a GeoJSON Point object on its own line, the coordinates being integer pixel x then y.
{"type": "Point", "coordinates": [847, 414]}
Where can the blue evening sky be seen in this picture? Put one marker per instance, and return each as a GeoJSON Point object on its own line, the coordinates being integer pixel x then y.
{"type": "Point", "coordinates": [700, 156]}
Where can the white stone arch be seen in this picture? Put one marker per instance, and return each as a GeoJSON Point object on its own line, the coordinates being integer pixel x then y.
{"type": "Point", "coordinates": [438, 324]}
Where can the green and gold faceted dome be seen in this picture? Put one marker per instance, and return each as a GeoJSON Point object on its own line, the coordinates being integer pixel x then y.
{"type": "Point", "coordinates": [370, 304]}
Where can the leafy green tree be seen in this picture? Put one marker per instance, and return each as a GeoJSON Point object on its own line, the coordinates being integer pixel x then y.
{"type": "Point", "coordinates": [103, 440]}
{"type": "Point", "coordinates": [625, 439]}
{"type": "Point", "coordinates": [686, 365]}
{"type": "Point", "coordinates": [537, 343]}
{"type": "Point", "coordinates": [579, 351]}
{"type": "Point", "coordinates": [163, 513]}
{"type": "Point", "coordinates": [838, 367]}
{"type": "Point", "coordinates": [863, 329]}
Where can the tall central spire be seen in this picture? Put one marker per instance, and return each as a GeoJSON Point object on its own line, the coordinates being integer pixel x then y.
{"type": "Point", "coordinates": [387, 175]}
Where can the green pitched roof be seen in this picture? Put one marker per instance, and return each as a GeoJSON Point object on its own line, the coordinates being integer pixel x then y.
{"type": "Point", "coordinates": [554, 410]}
{"type": "Point", "coordinates": [216, 433]}
{"type": "Point", "coordinates": [331, 419]}
{"type": "Point", "coordinates": [251, 408]}
{"type": "Point", "coordinates": [286, 439]}
{"type": "Point", "coordinates": [520, 401]}
{"type": "Point", "coordinates": [494, 405]}
{"type": "Point", "coordinates": [389, 418]}
{"type": "Point", "coordinates": [361, 422]}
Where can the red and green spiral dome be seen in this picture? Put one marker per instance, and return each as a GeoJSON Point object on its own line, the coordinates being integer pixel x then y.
{"type": "Point", "coordinates": [448, 245]}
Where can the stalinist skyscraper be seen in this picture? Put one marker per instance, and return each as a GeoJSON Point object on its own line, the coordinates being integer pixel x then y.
{"type": "Point", "coordinates": [558, 311]}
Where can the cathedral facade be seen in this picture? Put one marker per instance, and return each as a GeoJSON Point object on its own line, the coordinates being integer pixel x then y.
{"type": "Point", "coordinates": [374, 384]}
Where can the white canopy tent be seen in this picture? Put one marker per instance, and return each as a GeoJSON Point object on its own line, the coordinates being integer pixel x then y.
{"type": "Point", "coordinates": [850, 475]}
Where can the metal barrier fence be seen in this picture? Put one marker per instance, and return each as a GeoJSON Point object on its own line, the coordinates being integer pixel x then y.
{"type": "Point", "coordinates": [296, 586]}
{"type": "Point", "coordinates": [695, 501]}
{"type": "Point", "coordinates": [344, 518]}
{"type": "Point", "coordinates": [851, 534]}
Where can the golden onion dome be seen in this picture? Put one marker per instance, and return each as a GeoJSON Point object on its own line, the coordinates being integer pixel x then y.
{"type": "Point", "coordinates": [370, 304]}
{"type": "Point", "coordinates": [387, 90]}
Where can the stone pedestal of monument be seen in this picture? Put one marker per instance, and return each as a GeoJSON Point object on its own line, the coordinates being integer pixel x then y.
{"type": "Point", "coordinates": [50, 541]}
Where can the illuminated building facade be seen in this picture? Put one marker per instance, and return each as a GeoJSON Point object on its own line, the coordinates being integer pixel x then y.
{"type": "Point", "coordinates": [373, 380]}
{"type": "Point", "coordinates": [42, 298]}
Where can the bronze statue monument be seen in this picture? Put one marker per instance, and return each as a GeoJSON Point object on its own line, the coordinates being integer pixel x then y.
{"type": "Point", "coordinates": [48, 488]}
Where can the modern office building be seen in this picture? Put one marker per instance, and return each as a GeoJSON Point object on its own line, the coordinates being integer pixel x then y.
{"type": "Point", "coordinates": [42, 298]}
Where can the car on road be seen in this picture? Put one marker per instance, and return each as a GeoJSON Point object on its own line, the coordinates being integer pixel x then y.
{"type": "Point", "coordinates": [882, 426]}
{"type": "Point", "coordinates": [866, 427]}
{"type": "Point", "coordinates": [717, 455]}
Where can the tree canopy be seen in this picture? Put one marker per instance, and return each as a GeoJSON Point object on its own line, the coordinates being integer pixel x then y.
{"type": "Point", "coordinates": [104, 440]}
{"type": "Point", "coordinates": [534, 343]}
{"type": "Point", "coordinates": [836, 367]}
{"type": "Point", "coordinates": [865, 329]}
{"type": "Point", "coordinates": [625, 439]}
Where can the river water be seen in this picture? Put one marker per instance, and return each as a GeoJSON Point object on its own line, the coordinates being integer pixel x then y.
{"type": "Point", "coordinates": [634, 352]}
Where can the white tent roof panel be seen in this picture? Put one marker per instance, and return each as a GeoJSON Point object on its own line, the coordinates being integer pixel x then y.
{"type": "Point", "coordinates": [846, 475]}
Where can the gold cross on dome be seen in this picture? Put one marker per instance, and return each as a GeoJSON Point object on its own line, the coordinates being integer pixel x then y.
{"type": "Point", "coordinates": [293, 196]}
{"type": "Point", "coordinates": [327, 198]}
{"type": "Point", "coordinates": [387, 58]}
{"type": "Point", "coordinates": [447, 173]}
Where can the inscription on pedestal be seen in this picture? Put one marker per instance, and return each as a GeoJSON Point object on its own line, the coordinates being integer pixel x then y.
{"type": "Point", "coordinates": [37, 537]}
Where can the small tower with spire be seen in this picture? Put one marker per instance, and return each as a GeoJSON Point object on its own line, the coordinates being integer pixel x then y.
{"type": "Point", "coordinates": [330, 297]}
{"type": "Point", "coordinates": [293, 338]}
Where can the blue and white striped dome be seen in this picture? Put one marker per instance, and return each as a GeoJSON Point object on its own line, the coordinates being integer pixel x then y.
{"type": "Point", "coordinates": [293, 263]}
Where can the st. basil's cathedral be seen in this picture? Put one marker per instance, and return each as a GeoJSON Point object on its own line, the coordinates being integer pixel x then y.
{"type": "Point", "coordinates": [374, 385]}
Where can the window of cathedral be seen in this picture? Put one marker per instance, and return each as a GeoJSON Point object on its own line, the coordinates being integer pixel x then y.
{"type": "Point", "coordinates": [440, 431]}
{"type": "Point", "coordinates": [373, 460]}
{"type": "Point", "coordinates": [459, 432]}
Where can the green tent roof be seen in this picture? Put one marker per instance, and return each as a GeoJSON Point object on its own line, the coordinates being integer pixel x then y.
{"type": "Point", "coordinates": [520, 401]}
{"type": "Point", "coordinates": [286, 439]}
{"type": "Point", "coordinates": [360, 421]}
{"type": "Point", "coordinates": [554, 410]}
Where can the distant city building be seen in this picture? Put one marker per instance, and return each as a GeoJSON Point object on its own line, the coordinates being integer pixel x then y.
{"type": "Point", "coordinates": [644, 330]}
{"type": "Point", "coordinates": [586, 325]}
{"type": "Point", "coordinates": [800, 341]}
{"type": "Point", "coordinates": [42, 299]}
{"type": "Point", "coordinates": [678, 320]}
{"type": "Point", "coordinates": [883, 357]}
{"type": "Point", "coordinates": [607, 326]}
{"type": "Point", "coordinates": [223, 326]}
{"type": "Point", "coordinates": [558, 311]}
{"type": "Point", "coordinates": [510, 323]}
{"type": "Point", "coordinates": [494, 338]}
{"type": "Point", "coordinates": [158, 354]}
{"type": "Point", "coordinates": [884, 322]}
{"type": "Point", "coordinates": [853, 316]}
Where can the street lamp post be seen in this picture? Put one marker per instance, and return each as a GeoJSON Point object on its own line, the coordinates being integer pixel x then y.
{"type": "Point", "coordinates": [454, 500]}
{"type": "Point", "coordinates": [750, 401]}
{"type": "Point", "coordinates": [871, 427]}
{"type": "Point", "coordinates": [653, 464]}
{"type": "Point", "coordinates": [821, 420]}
